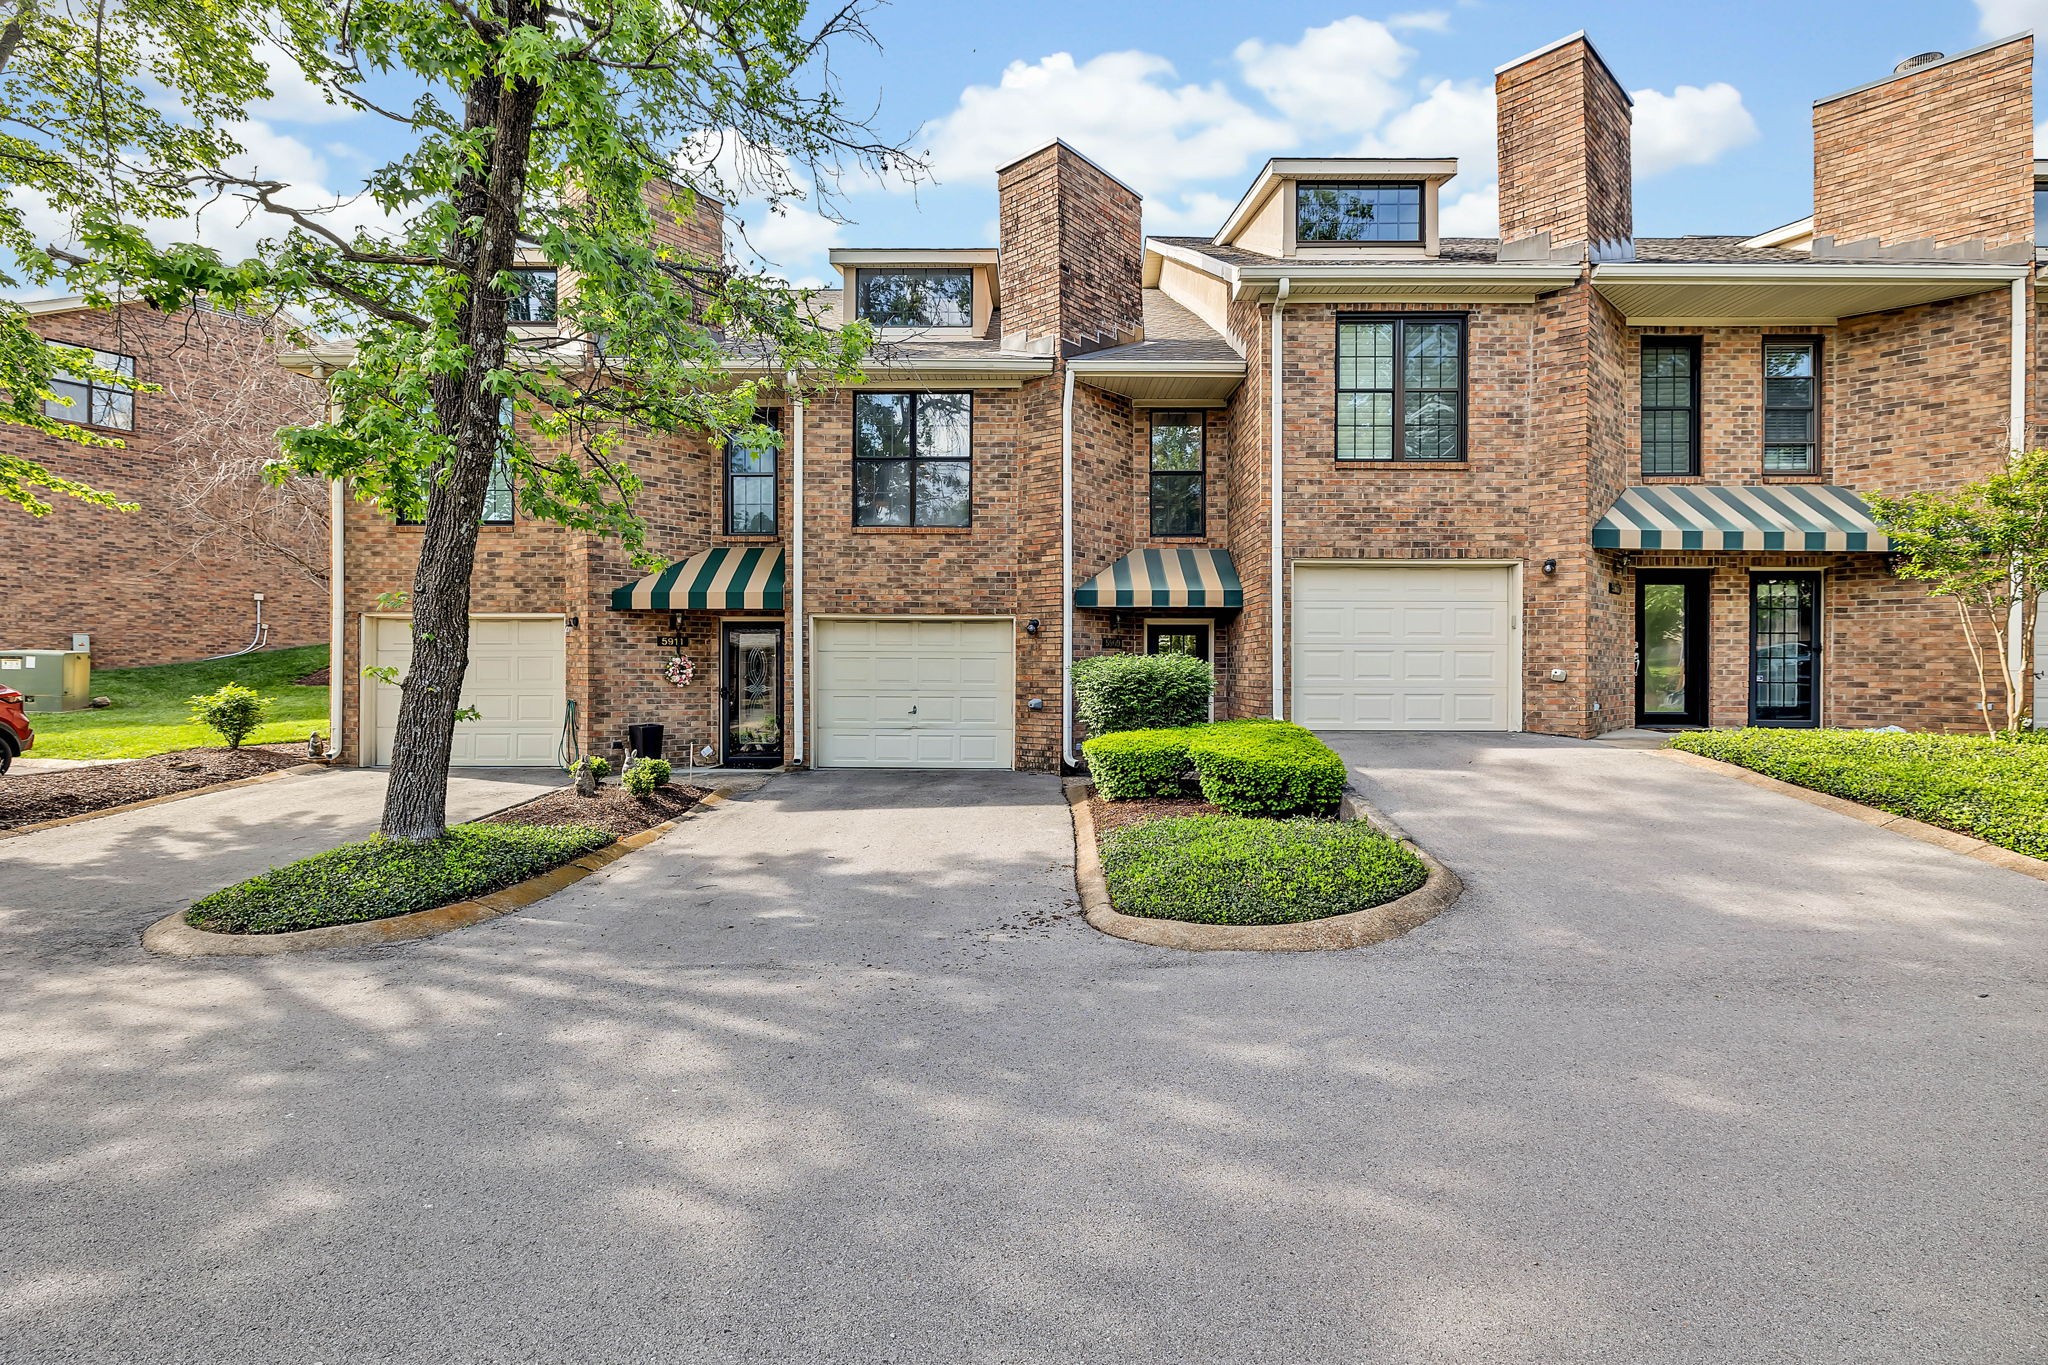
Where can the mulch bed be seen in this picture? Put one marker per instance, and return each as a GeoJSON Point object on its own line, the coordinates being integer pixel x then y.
{"type": "Point", "coordinates": [1111, 816]}
{"type": "Point", "coordinates": [613, 808]}
{"type": "Point", "coordinates": [30, 798]}
{"type": "Point", "coordinates": [317, 678]}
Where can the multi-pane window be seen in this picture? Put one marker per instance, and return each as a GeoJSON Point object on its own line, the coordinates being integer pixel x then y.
{"type": "Point", "coordinates": [95, 402]}
{"type": "Point", "coordinates": [915, 297]}
{"type": "Point", "coordinates": [499, 494]}
{"type": "Point", "coordinates": [750, 484]}
{"type": "Point", "coordinates": [912, 459]}
{"type": "Point", "coordinates": [1401, 388]}
{"type": "Point", "coordinates": [1671, 405]}
{"type": "Point", "coordinates": [1791, 393]}
{"type": "Point", "coordinates": [533, 295]}
{"type": "Point", "coordinates": [1178, 456]}
{"type": "Point", "coordinates": [1389, 212]}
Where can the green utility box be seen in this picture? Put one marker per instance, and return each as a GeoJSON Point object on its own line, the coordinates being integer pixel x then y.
{"type": "Point", "coordinates": [50, 679]}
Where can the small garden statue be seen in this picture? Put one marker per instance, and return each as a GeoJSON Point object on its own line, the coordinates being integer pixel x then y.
{"type": "Point", "coordinates": [589, 774]}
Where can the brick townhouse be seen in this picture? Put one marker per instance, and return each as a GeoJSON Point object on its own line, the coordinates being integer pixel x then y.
{"type": "Point", "coordinates": [1564, 481]}
{"type": "Point", "coordinates": [176, 579]}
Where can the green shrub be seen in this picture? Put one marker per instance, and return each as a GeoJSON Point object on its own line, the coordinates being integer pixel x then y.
{"type": "Point", "coordinates": [232, 712]}
{"type": "Point", "coordinates": [381, 877]}
{"type": "Point", "coordinates": [1135, 764]}
{"type": "Point", "coordinates": [642, 777]}
{"type": "Point", "coordinates": [1118, 692]}
{"type": "Point", "coordinates": [593, 764]}
{"type": "Point", "coordinates": [1993, 789]}
{"type": "Point", "coordinates": [1222, 869]}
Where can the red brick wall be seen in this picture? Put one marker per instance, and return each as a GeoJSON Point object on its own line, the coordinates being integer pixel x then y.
{"type": "Point", "coordinates": [134, 581]}
{"type": "Point", "coordinates": [1072, 252]}
{"type": "Point", "coordinates": [1945, 153]}
{"type": "Point", "coordinates": [1564, 128]}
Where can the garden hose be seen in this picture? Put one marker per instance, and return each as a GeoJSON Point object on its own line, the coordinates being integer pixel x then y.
{"type": "Point", "coordinates": [569, 753]}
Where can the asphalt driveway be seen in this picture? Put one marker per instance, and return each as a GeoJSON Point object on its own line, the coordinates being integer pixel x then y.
{"type": "Point", "coordinates": [834, 1073]}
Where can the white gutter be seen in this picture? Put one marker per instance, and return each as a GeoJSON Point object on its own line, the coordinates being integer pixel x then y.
{"type": "Point", "coordinates": [796, 592]}
{"type": "Point", "coordinates": [1276, 382]}
{"type": "Point", "coordinates": [1067, 571]}
{"type": "Point", "coordinates": [1802, 272]}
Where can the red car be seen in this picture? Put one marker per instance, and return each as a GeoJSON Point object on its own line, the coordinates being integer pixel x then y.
{"type": "Point", "coordinates": [15, 735]}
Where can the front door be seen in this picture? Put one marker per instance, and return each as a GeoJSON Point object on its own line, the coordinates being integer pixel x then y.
{"type": "Point", "coordinates": [1671, 648]}
{"type": "Point", "coordinates": [752, 692]}
{"type": "Point", "coordinates": [1784, 633]}
{"type": "Point", "coordinates": [1178, 637]}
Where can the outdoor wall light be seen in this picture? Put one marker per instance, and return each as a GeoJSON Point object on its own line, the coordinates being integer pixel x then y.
{"type": "Point", "coordinates": [1031, 626]}
{"type": "Point", "coordinates": [1550, 568]}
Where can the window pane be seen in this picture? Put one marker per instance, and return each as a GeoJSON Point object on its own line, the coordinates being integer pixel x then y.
{"type": "Point", "coordinates": [1365, 355]}
{"type": "Point", "coordinates": [1358, 213]}
{"type": "Point", "coordinates": [752, 507]}
{"type": "Point", "coordinates": [1365, 426]}
{"type": "Point", "coordinates": [1789, 459]}
{"type": "Point", "coordinates": [881, 493]}
{"type": "Point", "coordinates": [1432, 426]}
{"type": "Point", "coordinates": [1786, 425]}
{"type": "Point", "coordinates": [533, 296]}
{"type": "Point", "coordinates": [1786, 360]}
{"type": "Point", "coordinates": [80, 409]}
{"type": "Point", "coordinates": [1176, 504]}
{"type": "Point", "coordinates": [943, 426]}
{"type": "Point", "coordinates": [498, 493]}
{"type": "Point", "coordinates": [916, 298]}
{"type": "Point", "coordinates": [742, 459]}
{"type": "Point", "coordinates": [1431, 352]}
{"type": "Point", "coordinates": [881, 426]}
{"type": "Point", "coordinates": [942, 493]}
{"type": "Point", "coordinates": [1177, 443]}
{"type": "Point", "coordinates": [113, 408]}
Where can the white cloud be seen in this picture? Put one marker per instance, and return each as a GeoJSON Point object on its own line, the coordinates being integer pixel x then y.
{"type": "Point", "coordinates": [1195, 213]}
{"type": "Point", "coordinates": [2002, 18]}
{"type": "Point", "coordinates": [232, 225]}
{"type": "Point", "coordinates": [1691, 126]}
{"type": "Point", "coordinates": [293, 98]}
{"type": "Point", "coordinates": [1340, 77]}
{"type": "Point", "coordinates": [1474, 213]}
{"type": "Point", "coordinates": [1122, 109]}
{"type": "Point", "coordinates": [1424, 21]}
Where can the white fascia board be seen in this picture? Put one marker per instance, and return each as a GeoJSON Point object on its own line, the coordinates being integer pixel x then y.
{"type": "Point", "coordinates": [1138, 369]}
{"type": "Point", "coordinates": [935, 255]}
{"type": "Point", "coordinates": [1820, 272]}
{"type": "Point", "coordinates": [1197, 260]}
{"type": "Point", "coordinates": [1423, 277]}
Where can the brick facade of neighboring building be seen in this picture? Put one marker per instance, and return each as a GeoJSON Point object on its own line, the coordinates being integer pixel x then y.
{"type": "Point", "coordinates": [163, 584]}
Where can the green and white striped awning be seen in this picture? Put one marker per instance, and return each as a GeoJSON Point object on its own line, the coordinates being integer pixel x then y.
{"type": "Point", "coordinates": [1180, 576]}
{"type": "Point", "coordinates": [1698, 516]}
{"type": "Point", "coordinates": [722, 578]}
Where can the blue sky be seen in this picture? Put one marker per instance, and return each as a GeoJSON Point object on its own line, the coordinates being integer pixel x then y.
{"type": "Point", "coordinates": [1185, 100]}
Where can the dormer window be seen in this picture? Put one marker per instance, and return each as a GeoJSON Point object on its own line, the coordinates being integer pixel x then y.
{"type": "Point", "coordinates": [1386, 212]}
{"type": "Point", "coordinates": [533, 295]}
{"type": "Point", "coordinates": [915, 297]}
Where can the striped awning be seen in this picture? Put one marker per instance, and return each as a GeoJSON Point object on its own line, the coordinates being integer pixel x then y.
{"type": "Point", "coordinates": [722, 578]}
{"type": "Point", "coordinates": [1181, 576]}
{"type": "Point", "coordinates": [1790, 516]}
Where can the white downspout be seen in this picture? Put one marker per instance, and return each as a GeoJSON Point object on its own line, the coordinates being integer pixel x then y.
{"type": "Point", "coordinates": [1067, 572]}
{"type": "Point", "coordinates": [2016, 406]}
{"type": "Point", "coordinates": [1276, 382]}
{"type": "Point", "coordinates": [337, 510]}
{"type": "Point", "coordinates": [796, 571]}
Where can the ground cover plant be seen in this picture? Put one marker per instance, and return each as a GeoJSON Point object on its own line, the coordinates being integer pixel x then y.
{"type": "Point", "coordinates": [152, 707]}
{"type": "Point", "coordinates": [1993, 788]}
{"type": "Point", "coordinates": [377, 877]}
{"type": "Point", "coordinates": [1223, 869]}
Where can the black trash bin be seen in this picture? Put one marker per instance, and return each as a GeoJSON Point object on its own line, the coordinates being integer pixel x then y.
{"type": "Point", "coordinates": [644, 740]}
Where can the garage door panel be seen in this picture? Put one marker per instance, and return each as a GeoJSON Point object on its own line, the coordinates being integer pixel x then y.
{"type": "Point", "coordinates": [914, 694]}
{"type": "Point", "coordinates": [1389, 647]}
{"type": "Point", "coordinates": [514, 680]}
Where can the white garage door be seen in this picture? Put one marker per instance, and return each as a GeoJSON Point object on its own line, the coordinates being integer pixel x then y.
{"type": "Point", "coordinates": [1404, 647]}
{"type": "Point", "coordinates": [514, 679]}
{"type": "Point", "coordinates": [900, 693]}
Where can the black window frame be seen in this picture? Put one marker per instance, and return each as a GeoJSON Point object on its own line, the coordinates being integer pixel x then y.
{"type": "Point", "coordinates": [1644, 408]}
{"type": "Point", "coordinates": [87, 391]}
{"type": "Point", "coordinates": [1812, 409]}
{"type": "Point", "coordinates": [1199, 420]}
{"type": "Point", "coordinates": [913, 460]}
{"type": "Point", "coordinates": [864, 275]}
{"type": "Point", "coordinates": [554, 296]}
{"type": "Point", "coordinates": [771, 418]}
{"type": "Point", "coordinates": [1463, 320]}
{"type": "Point", "coordinates": [1302, 187]}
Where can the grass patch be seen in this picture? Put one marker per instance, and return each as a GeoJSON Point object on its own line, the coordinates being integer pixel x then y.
{"type": "Point", "coordinates": [151, 713]}
{"type": "Point", "coordinates": [1993, 789]}
{"type": "Point", "coordinates": [379, 878]}
{"type": "Point", "coordinates": [1223, 869]}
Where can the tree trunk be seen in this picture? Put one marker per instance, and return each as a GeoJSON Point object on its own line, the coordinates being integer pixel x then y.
{"type": "Point", "coordinates": [489, 198]}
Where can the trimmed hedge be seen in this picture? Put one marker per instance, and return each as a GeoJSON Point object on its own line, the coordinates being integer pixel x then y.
{"type": "Point", "coordinates": [1114, 693]}
{"type": "Point", "coordinates": [1993, 789]}
{"type": "Point", "coordinates": [1223, 869]}
{"type": "Point", "coordinates": [1247, 767]}
{"type": "Point", "coordinates": [380, 877]}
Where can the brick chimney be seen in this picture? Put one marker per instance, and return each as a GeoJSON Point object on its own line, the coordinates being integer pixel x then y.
{"type": "Point", "coordinates": [700, 234]}
{"type": "Point", "coordinates": [1071, 271]}
{"type": "Point", "coordinates": [1938, 155]}
{"type": "Point", "coordinates": [1564, 155]}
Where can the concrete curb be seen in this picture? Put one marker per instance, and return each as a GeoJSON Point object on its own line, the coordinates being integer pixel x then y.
{"type": "Point", "coordinates": [1359, 929]}
{"type": "Point", "coordinates": [172, 937]}
{"type": "Point", "coordinates": [163, 800]}
{"type": "Point", "coordinates": [1966, 844]}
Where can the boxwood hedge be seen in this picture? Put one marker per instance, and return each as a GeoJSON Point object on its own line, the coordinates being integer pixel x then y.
{"type": "Point", "coordinates": [1247, 767]}
{"type": "Point", "coordinates": [1994, 789]}
{"type": "Point", "coordinates": [380, 877]}
{"type": "Point", "coordinates": [1222, 869]}
{"type": "Point", "coordinates": [1114, 693]}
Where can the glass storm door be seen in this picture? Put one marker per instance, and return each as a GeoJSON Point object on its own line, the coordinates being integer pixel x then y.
{"type": "Point", "coordinates": [1784, 630]}
{"type": "Point", "coordinates": [1671, 648]}
{"type": "Point", "coordinates": [752, 692]}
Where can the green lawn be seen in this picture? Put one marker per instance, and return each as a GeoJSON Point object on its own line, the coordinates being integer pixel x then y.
{"type": "Point", "coordinates": [150, 714]}
{"type": "Point", "coordinates": [1995, 790]}
{"type": "Point", "coordinates": [1229, 869]}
